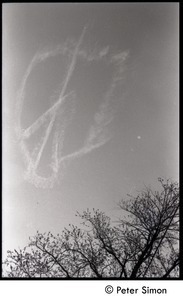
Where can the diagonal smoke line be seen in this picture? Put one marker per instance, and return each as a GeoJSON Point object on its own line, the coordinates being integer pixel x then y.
{"type": "Point", "coordinates": [73, 63]}
{"type": "Point", "coordinates": [84, 150]}
{"type": "Point", "coordinates": [42, 119]}
{"type": "Point", "coordinates": [48, 131]}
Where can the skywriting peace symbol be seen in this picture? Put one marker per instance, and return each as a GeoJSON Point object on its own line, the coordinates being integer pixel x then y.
{"type": "Point", "coordinates": [97, 135]}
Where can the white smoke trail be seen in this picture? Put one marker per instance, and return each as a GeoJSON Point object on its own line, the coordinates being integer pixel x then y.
{"type": "Point", "coordinates": [97, 135]}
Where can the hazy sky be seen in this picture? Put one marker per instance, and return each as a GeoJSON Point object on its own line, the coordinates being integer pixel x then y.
{"type": "Point", "coordinates": [117, 67]}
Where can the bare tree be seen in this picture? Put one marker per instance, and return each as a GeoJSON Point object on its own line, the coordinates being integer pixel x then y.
{"type": "Point", "coordinates": [143, 244]}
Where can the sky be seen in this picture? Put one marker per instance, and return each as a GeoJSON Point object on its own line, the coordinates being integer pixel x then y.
{"type": "Point", "coordinates": [90, 109]}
